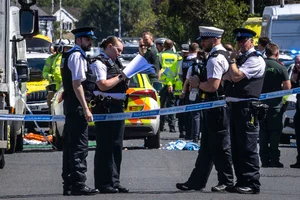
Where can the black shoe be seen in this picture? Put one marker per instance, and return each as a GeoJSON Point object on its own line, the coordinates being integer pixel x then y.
{"type": "Point", "coordinates": [231, 189]}
{"type": "Point", "coordinates": [277, 165]}
{"type": "Point", "coordinates": [161, 129]}
{"type": "Point", "coordinates": [122, 189]}
{"type": "Point", "coordinates": [182, 134]}
{"type": "Point", "coordinates": [106, 190]}
{"type": "Point", "coordinates": [247, 190]}
{"type": "Point", "coordinates": [296, 165]}
{"type": "Point", "coordinates": [83, 191]}
{"type": "Point", "coordinates": [195, 140]}
{"type": "Point", "coordinates": [66, 190]}
{"type": "Point", "coordinates": [172, 130]}
{"type": "Point", "coordinates": [187, 186]}
{"type": "Point", "coordinates": [219, 188]}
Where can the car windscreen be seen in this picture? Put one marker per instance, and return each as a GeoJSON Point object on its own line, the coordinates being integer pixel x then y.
{"type": "Point", "coordinates": [36, 63]}
{"type": "Point", "coordinates": [134, 82]}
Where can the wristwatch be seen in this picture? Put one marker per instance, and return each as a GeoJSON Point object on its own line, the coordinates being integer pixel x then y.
{"type": "Point", "coordinates": [232, 61]}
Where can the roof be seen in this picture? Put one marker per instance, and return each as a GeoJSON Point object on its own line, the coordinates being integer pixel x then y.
{"type": "Point", "coordinates": [74, 12]}
{"type": "Point", "coordinates": [288, 9]}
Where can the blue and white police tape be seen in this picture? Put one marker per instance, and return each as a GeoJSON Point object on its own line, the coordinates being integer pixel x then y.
{"type": "Point", "coordinates": [143, 114]}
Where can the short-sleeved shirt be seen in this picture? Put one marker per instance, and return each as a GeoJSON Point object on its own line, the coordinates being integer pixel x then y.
{"type": "Point", "coordinates": [275, 75]}
{"type": "Point", "coordinates": [77, 65]}
{"type": "Point", "coordinates": [217, 66]}
{"type": "Point", "coordinates": [99, 68]}
{"type": "Point", "coordinates": [254, 67]}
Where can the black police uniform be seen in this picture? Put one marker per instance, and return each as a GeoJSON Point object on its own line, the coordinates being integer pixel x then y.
{"type": "Point", "coordinates": [297, 124]}
{"type": "Point", "coordinates": [75, 147]}
{"type": "Point", "coordinates": [186, 64]}
{"type": "Point", "coordinates": [152, 58]}
{"type": "Point", "coordinates": [270, 128]}
{"type": "Point", "coordinates": [109, 134]}
{"type": "Point", "coordinates": [244, 124]}
{"type": "Point", "coordinates": [215, 143]}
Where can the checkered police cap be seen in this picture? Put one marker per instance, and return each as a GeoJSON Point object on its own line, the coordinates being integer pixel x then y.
{"type": "Point", "coordinates": [209, 31]}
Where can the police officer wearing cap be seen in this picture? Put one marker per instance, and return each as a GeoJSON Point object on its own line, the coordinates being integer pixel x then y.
{"type": "Point", "coordinates": [190, 65]}
{"type": "Point", "coordinates": [110, 96]}
{"type": "Point", "coordinates": [79, 84]}
{"type": "Point", "coordinates": [246, 76]}
{"type": "Point", "coordinates": [215, 139]}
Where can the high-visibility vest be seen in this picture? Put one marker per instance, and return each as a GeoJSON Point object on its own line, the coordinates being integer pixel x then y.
{"type": "Point", "coordinates": [168, 59]}
{"type": "Point", "coordinates": [51, 70]}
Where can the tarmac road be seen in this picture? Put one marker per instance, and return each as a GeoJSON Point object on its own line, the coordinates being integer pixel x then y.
{"type": "Point", "coordinates": [149, 174]}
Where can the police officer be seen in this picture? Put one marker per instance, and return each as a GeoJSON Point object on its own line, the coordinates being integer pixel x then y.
{"type": "Point", "coordinates": [296, 83]}
{"type": "Point", "coordinates": [189, 65]}
{"type": "Point", "coordinates": [270, 128]}
{"type": "Point", "coordinates": [215, 139]}
{"type": "Point", "coordinates": [246, 75]}
{"type": "Point", "coordinates": [110, 96]}
{"type": "Point", "coordinates": [78, 85]}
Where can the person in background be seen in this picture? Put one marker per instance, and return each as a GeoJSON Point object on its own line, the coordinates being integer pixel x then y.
{"type": "Point", "coordinates": [168, 59]}
{"type": "Point", "coordinates": [191, 65]}
{"type": "Point", "coordinates": [151, 55]}
{"type": "Point", "coordinates": [296, 83]}
{"type": "Point", "coordinates": [262, 43]}
{"type": "Point", "coordinates": [160, 44]}
{"type": "Point", "coordinates": [276, 79]}
{"type": "Point", "coordinates": [142, 47]}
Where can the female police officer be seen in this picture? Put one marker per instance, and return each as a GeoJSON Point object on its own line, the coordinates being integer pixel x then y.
{"type": "Point", "coordinates": [110, 96]}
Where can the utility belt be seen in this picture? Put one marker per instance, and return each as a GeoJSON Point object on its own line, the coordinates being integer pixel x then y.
{"type": "Point", "coordinates": [105, 103]}
{"type": "Point", "coordinates": [257, 108]}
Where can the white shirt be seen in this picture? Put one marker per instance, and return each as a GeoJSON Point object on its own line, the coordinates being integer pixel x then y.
{"type": "Point", "coordinates": [254, 67]}
{"type": "Point", "coordinates": [77, 64]}
{"type": "Point", "coordinates": [100, 70]}
{"type": "Point", "coordinates": [217, 66]}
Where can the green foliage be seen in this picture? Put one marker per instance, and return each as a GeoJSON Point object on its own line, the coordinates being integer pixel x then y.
{"type": "Point", "coordinates": [225, 14]}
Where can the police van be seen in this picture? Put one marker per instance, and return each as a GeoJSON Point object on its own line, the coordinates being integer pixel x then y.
{"type": "Point", "coordinates": [281, 23]}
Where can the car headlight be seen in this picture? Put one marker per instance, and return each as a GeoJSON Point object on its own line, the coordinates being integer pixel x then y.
{"type": "Point", "coordinates": [291, 105]}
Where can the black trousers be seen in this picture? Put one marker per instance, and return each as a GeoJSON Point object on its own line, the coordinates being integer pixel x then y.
{"type": "Point", "coordinates": [75, 150]}
{"type": "Point", "coordinates": [180, 116]}
{"type": "Point", "coordinates": [167, 100]}
{"type": "Point", "coordinates": [269, 136]}
{"type": "Point", "coordinates": [214, 149]}
{"type": "Point", "coordinates": [108, 155]}
{"type": "Point", "coordinates": [297, 129]}
{"type": "Point", "coordinates": [244, 135]}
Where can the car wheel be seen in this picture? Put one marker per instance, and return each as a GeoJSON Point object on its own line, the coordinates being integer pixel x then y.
{"type": "Point", "coordinates": [20, 137]}
{"type": "Point", "coordinates": [153, 142]}
{"type": "Point", "coordinates": [57, 139]}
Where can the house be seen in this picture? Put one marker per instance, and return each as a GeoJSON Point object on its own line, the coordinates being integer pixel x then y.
{"type": "Point", "coordinates": [69, 16]}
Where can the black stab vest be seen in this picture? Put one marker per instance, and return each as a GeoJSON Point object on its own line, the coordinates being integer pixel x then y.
{"type": "Point", "coordinates": [245, 88]}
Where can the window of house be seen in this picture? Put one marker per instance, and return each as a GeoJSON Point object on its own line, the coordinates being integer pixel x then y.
{"type": "Point", "coordinates": [67, 26]}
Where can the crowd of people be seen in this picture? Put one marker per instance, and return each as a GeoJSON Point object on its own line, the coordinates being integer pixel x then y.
{"type": "Point", "coordinates": [206, 70]}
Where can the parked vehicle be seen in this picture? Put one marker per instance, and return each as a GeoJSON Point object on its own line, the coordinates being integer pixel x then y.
{"type": "Point", "coordinates": [14, 26]}
{"type": "Point", "coordinates": [36, 88]}
{"type": "Point", "coordinates": [142, 96]}
{"type": "Point", "coordinates": [281, 23]}
{"type": "Point", "coordinates": [254, 23]}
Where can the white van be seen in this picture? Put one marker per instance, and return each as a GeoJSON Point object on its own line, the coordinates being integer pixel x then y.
{"type": "Point", "coordinates": [282, 25]}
